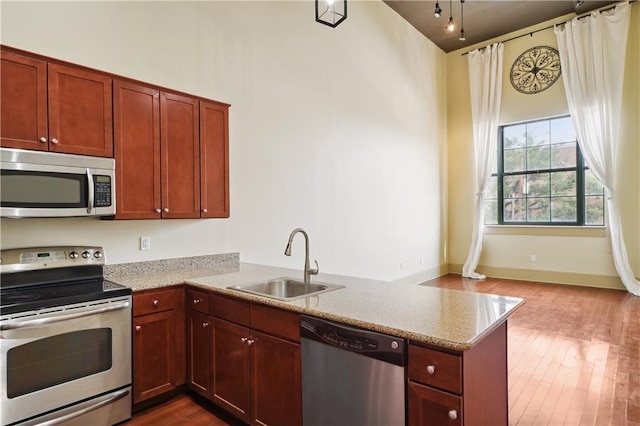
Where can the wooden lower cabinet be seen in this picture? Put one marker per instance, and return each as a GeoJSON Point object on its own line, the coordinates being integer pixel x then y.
{"type": "Point", "coordinates": [158, 343]}
{"type": "Point", "coordinates": [253, 351]}
{"type": "Point", "coordinates": [429, 406]}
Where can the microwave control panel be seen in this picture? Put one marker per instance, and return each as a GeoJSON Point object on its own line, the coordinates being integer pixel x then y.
{"type": "Point", "coordinates": [102, 191]}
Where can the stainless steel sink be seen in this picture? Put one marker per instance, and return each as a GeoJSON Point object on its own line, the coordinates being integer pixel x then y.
{"type": "Point", "coordinates": [285, 288]}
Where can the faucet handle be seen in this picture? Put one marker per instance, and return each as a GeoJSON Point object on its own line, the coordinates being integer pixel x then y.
{"type": "Point", "coordinates": [315, 271]}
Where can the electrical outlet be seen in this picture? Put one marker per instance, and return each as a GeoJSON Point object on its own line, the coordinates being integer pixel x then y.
{"type": "Point", "coordinates": [145, 243]}
{"type": "Point", "coordinates": [533, 258]}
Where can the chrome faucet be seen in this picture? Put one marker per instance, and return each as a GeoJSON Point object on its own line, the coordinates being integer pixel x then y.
{"type": "Point", "coordinates": [307, 269]}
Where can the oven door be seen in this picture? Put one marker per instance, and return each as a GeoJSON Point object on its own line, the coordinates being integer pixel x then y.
{"type": "Point", "coordinates": [54, 360]}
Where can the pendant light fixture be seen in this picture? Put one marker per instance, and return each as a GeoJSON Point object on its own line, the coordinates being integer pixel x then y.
{"type": "Point", "coordinates": [437, 13]}
{"type": "Point", "coordinates": [331, 12]}
{"type": "Point", "coordinates": [462, 36]}
{"type": "Point", "coordinates": [450, 26]}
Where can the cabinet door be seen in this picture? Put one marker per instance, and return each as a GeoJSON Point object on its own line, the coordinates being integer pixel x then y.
{"type": "Point", "coordinates": [137, 151]}
{"type": "Point", "coordinates": [180, 156]}
{"type": "Point", "coordinates": [277, 381]}
{"type": "Point", "coordinates": [80, 111]}
{"type": "Point", "coordinates": [199, 352]}
{"type": "Point", "coordinates": [429, 406]}
{"type": "Point", "coordinates": [23, 104]}
{"type": "Point", "coordinates": [230, 384]}
{"type": "Point", "coordinates": [154, 355]}
{"type": "Point", "coordinates": [214, 159]}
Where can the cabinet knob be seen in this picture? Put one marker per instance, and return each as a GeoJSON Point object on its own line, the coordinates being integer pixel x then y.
{"type": "Point", "coordinates": [250, 341]}
{"type": "Point", "coordinates": [453, 414]}
{"type": "Point", "coordinates": [205, 324]}
{"type": "Point", "coordinates": [138, 328]}
{"type": "Point", "coordinates": [196, 301]}
{"type": "Point", "coordinates": [243, 339]}
{"type": "Point", "coordinates": [166, 210]}
{"type": "Point", "coordinates": [155, 302]}
{"type": "Point", "coordinates": [431, 369]}
{"type": "Point", "coordinates": [158, 210]}
{"type": "Point", "coordinates": [54, 141]}
{"type": "Point", "coordinates": [204, 210]}
{"type": "Point", "coordinates": [43, 139]}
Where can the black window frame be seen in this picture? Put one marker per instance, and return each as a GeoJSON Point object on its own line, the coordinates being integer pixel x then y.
{"type": "Point", "coordinates": [580, 169]}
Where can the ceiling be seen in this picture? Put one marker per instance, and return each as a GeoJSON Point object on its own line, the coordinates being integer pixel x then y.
{"type": "Point", "coordinates": [484, 20]}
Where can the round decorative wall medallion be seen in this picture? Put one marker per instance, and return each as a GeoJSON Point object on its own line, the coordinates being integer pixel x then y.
{"type": "Point", "coordinates": [535, 70]}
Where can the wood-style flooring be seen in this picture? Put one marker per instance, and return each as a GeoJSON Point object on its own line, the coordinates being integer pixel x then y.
{"type": "Point", "coordinates": [574, 358]}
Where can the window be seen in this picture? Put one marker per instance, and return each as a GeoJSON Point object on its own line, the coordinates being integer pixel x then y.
{"type": "Point", "coordinates": [540, 178]}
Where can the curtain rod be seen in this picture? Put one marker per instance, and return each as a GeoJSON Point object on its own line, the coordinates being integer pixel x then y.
{"type": "Point", "coordinates": [531, 33]}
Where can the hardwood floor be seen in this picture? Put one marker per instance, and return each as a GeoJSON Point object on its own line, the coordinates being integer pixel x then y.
{"type": "Point", "coordinates": [574, 358]}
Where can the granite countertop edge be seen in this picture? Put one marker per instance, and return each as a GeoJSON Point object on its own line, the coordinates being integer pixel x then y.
{"type": "Point", "coordinates": [331, 305]}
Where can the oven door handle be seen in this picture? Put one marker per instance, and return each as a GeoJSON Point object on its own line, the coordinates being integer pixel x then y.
{"type": "Point", "coordinates": [66, 317]}
{"type": "Point", "coordinates": [110, 399]}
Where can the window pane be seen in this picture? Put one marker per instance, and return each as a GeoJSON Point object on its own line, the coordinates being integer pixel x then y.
{"type": "Point", "coordinates": [591, 185]}
{"type": "Point", "coordinates": [492, 189]}
{"type": "Point", "coordinates": [514, 210]}
{"type": "Point", "coordinates": [563, 183]}
{"type": "Point", "coordinates": [563, 155]}
{"type": "Point", "coordinates": [562, 130]}
{"type": "Point", "coordinates": [538, 133]}
{"type": "Point", "coordinates": [514, 160]}
{"type": "Point", "coordinates": [538, 185]}
{"type": "Point", "coordinates": [538, 158]}
{"type": "Point", "coordinates": [513, 186]}
{"type": "Point", "coordinates": [538, 209]}
{"type": "Point", "coordinates": [515, 136]}
{"type": "Point", "coordinates": [491, 212]}
{"type": "Point", "coordinates": [564, 209]}
{"type": "Point", "coordinates": [594, 211]}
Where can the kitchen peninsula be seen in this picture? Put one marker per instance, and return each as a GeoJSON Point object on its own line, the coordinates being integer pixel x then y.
{"type": "Point", "coordinates": [457, 354]}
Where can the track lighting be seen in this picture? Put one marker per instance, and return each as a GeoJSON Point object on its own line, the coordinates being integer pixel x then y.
{"type": "Point", "coordinates": [438, 10]}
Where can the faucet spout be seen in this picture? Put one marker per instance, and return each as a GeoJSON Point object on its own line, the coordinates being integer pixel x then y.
{"type": "Point", "coordinates": [307, 268]}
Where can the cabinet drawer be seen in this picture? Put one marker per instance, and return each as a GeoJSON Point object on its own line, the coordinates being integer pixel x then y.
{"type": "Point", "coordinates": [432, 407]}
{"type": "Point", "coordinates": [435, 368]}
{"type": "Point", "coordinates": [232, 310]}
{"type": "Point", "coordinates": [198, 301]}
{"type": "Point", "coordinates": [157, 301]}
{"type": "Point", "coordinates": [276, 322]}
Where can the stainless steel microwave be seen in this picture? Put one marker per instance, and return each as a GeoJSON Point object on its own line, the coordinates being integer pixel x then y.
{"type": "Point", "coordinates": [48, 184]}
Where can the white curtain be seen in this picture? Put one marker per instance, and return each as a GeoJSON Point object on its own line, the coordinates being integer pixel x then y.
{"type": "Point", "coordinates": [592, 55]}
{"type": "Point", "coordinates": [485, 81]}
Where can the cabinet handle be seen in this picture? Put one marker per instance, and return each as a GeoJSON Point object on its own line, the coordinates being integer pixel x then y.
{"type": "Point", "coordinates": [138, 328]}
{"type": "Point", "coordinates": [158, 210]}
{"type": "Point", "coordinates": [155, 302]}
{"type": "Point", "coordinates": [244, 339]}
{"type": "Point", "coordinates": [431, 369]}
{"type": "Point", "coordinates": [54, 141]}
{"type": "Point", "coordinates": [204, 210]}
{"type": "Point", "coordinates": [205, 324]}
{"type": "Point", "coordinates": [166, 210]}
{"type": "Point", "coordinates": [453, 414]}
{"type": "Point", "coordinates": [43, 139]}
{"type": "Point", "coordinates": [196, 301]}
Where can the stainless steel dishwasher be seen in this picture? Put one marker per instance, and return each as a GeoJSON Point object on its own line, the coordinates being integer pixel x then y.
{"type": "Point", "coordinates": [351, 376]}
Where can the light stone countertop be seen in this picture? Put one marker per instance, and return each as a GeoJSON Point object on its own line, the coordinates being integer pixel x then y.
{"type": "Point", "coordinates": [445, 318]}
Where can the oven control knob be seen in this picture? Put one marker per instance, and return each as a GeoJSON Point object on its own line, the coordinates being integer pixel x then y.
{"type": "Point", "coordinates": [86, 254]}
{"type": "Point", "coordinates": [97, 254]}
{"type": "Point", "coordinates": [73, 255]}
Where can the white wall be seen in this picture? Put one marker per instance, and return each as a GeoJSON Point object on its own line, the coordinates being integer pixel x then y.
{"type": "Point", "coordinates": [339, 131]}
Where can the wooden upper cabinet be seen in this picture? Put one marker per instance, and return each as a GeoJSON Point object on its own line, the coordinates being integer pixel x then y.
{"type": "Point", "coordinates": [180, 156]}
{"type": "Point", "coordinates": [23, 102]}
{"type": "Point", "coordinates": [214, 159]}
{"type": "Point", "coordinates": [80, 111]}
{"type": "Point", "coordinates": [137, 151]}
{"type": "Point", "coordinates": [51, 107]}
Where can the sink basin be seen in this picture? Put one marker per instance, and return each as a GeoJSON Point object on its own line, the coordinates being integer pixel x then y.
{"type": "Point", "coordinates": [285, 288]}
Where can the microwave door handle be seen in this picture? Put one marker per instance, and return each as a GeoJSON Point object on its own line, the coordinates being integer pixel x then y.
{"type": "Point", "coordinates": [48, 320]}
{"type": "Point", "coordinates": [90, 183]}
{"type": "Point", "coordinates": [110, 399]}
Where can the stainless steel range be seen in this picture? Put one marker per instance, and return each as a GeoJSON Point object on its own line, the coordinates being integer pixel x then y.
{"type": "Point", "coordinates": [65, 339]}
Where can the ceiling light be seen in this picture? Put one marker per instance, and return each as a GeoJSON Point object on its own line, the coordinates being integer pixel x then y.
{"type": "Point", "coordinates": [438, 10]}
{"type": "Point", "coordinates": [331, 12]}
{"type": "Point", "coordinates": [450, 26]}
{"type": "Point", "coordinates": [462, 36]}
